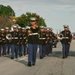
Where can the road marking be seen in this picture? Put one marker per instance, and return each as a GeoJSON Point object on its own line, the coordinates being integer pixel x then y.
{"type": "Point", "coordinates": [23, 58]}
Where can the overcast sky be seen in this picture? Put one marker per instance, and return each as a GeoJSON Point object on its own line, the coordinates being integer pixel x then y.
{"type": "Point", "coordinates": [55, 12]}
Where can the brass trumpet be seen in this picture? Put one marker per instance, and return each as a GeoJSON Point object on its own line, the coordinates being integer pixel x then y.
{"type": "Point", "coordinates": [60, 36]}
{"type": "Point", "coordinates": [29, 32]}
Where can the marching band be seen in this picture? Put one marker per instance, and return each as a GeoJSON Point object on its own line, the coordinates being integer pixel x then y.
{"type": "Point", "coordinates": [22, 41]}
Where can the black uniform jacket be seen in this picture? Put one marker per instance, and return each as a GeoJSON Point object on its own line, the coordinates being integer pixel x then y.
{"type": "Point", "coordinates": [15, 37]}
{"type": "Point", "coordinates": [42, 38]}
{"type": "Point", "coordinates": [67, 37]}
{"type": "Point", "coordinates": [33, 37]}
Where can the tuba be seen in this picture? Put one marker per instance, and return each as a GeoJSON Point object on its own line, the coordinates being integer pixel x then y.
{"type": "Point", "coordinates": [9, 37]}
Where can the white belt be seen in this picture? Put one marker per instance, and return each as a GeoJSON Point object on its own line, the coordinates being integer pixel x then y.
{"type": "Point", "coordinates": [15, 38]}
{"type": "Point", "coordinates": [33, 34]}
{"type": "Point", "coordinates": [24, 38]}
{"type": "Point", "coordinates": [42, 38]}
{"type": "Point", "coordinates": [3, 38]}
{"type": "Point", "coordinates": [65, 37]}
{"type": "Point", "coordinates": [20, 38]}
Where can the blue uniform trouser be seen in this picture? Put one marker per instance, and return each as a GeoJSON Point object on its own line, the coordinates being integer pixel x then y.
{"type": "Point", "coordinates": [47, 49]}
{"type": "Point", "coordinates": [4, 48]}
{"type": "Point", "coordinates": [65, 50]}
{"type": "Point", "coordinates": [50, 48]}
{"type": "Point", "coordinates": [32, 50]}
{"type": "Point", "coordinates": [8, 48]}
{"type": "Point", "coordinates": [20, 50]}
{"type": "Point", "coordinates": [0, 49]}
{"type": "Point", "coordinates": [68, 48]}
{"type": "Point", "coordinates": [23, 47]}
{"type": "Point", "coordinates": [41, 50]}
{"type": "Point", "coordinates": [44, 50]}
{"type": "Point", "coordinates": [14, 50]}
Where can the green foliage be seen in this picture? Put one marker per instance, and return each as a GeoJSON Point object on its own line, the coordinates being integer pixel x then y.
{"type": "Point", "coordinates": [6, 10]}
{"type": "Point", "coordinates": [7, 14]}
{"type": "Point", "coordinates": [24, 19]}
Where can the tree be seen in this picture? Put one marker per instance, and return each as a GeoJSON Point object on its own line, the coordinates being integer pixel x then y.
{"type": "Point", "coordinates": [6, 10]}
{"type": "Point", "coordinates": [5, 21]}
{"type": "Point", "coordinates": [24, 19]}
{"type": "Point", "coordinates": [5, 16]}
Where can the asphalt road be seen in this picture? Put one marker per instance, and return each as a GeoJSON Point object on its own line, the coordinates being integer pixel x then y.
{"type": "Point", "coordinates": [50, 65]}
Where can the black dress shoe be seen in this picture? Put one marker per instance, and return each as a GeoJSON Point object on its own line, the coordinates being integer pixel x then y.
{"type": "Point", "coordinates": [33, 64]}
{"type": "Point", "coordinates": [12, 57]}
{"type": "Point", "coordinates": [29, 64]}
{"type": "Point", "coordinates": [47, 54]}
{"type": "Point", "coordinates": [41, 57]}
{"type": "Point", "coordinates": [16, 57]}
{"type": "Point", "coordinates": [20, 55]}
{"type": "Point", "coordinates": [66, 56]}
{"type": "Point", "coordinates": [63, 57]}
{"type": "Point", "coordinates": [24, 54]}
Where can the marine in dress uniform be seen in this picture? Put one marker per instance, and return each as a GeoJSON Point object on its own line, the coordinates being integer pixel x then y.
{"type": "Point", "coordinates": [68, 29]}
{"type": "Point", "coordinates": [0, 43]}
{"type": "Point", "coordinates": [14, 43]}
{"type": "Point", "coordinates": [42, 39]}
{"type": "Point", "coordinates": [32, 42]}
{"type": "Point", "coordinates": [24, 42]}
{"type": "Point", "coordinates": [52, 39]}
{"type": "Point", "coordinates": [3, 36]}
{"type": "Point", "coordinates": [27, 32]}
{"type": "Point", "coordinates": [47, 42]}
{"type": "Point", "coordinates": [8, 42]}
{"type": "Point", "coordinates": [66, 41]}
{"type": "Point", "coordinates": [20, 40]}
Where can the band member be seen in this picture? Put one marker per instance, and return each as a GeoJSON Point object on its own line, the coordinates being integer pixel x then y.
{"type": "Point", "coordinates": [32, 42]}
{"type": "Point", "coordinates": [48, 41]}
{"type": "Point", "coordinates": [8, 41]}
{"type": "Point", "coordinates": [42, 39]}
{"type": "Point", "coordinates": [3, 42]}
{"type": "Point", "coordinates": [52, 38]}
{"type": "Point", "coordinates": [14, 42]}
{"type": "Point", "coordinates": [66, 41]}
{"type": "Point", "coordinates": [0, 43]}
{"type": "Point", "coordinates": [27, 31]}
{"type": "Point", "coordinates": [20, 40]}
{"type": "Point", "coordinates": [71, 39]}
{"type": "Point", "coordinates": [23, 42]}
